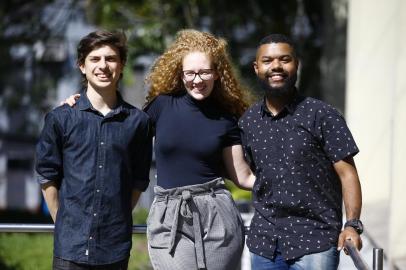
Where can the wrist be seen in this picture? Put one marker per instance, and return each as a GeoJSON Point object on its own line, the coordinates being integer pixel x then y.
{"type": "Point", "coordinates": [356, 224]}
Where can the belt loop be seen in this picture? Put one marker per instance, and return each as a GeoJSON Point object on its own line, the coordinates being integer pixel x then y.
{"type": "Point", "coordinates": [185, 208]}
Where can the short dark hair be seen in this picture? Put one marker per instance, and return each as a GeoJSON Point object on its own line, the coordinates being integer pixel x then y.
{"type": "Point", "coordinates": [279, 38]}
{"type": "Point", "coordinates": [97, 39]}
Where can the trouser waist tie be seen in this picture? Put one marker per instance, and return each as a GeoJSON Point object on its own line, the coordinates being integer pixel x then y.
{"type": "Point", "coordinates": [185, 207]}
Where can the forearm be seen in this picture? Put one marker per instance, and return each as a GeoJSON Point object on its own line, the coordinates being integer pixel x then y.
{"type": "Point", "coordinates": [351, 188]}
{"type": "Point", "coordinates": [51, 196]}
{"type": "Point", "coordinates": [352, 198]}
{"type": "Point", "coordinates": [237, 168]}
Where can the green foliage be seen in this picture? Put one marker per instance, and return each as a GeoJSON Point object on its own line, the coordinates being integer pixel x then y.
{"type": "Point", "coordinates": [25, 251]}
{"type": "Point", "coordinates": [28, 251]}
{"type": "Point", "coordinates": [25, 80]}
{"type": "Point", "coordinates": [139, 258]}
{"type": "Point", "coordinates": [152, 24]}
{"type": "Point", "coordinates": [19, 251]}
{"type": "Point", "coordinates": [140, 216]}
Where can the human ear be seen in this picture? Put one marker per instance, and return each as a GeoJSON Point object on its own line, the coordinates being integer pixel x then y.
{"type": "Point", "coordinates": [254, 64]}
{"type": "Point", "coordinates": [82, 68]}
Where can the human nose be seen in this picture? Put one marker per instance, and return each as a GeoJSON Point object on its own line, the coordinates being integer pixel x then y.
{"type": "Point", "coordinates": [197, 77]}
{"type": "Point", "coordinates": [102, 63]}
{"type": "Point", "coordinates": [276, 64]}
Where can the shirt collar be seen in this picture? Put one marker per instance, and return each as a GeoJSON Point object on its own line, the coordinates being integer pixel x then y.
{"type": "Point", "coordinates": [83, 104]}
{"type": "Point", "coordinates": [289, 107]}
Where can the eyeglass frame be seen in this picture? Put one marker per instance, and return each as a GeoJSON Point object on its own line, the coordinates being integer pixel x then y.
{"type": "Point", "coordinates": [198, 74]}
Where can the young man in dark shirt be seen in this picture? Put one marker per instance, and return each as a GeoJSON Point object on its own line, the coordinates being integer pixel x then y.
{"type": "Point", "coordinates": [302, 153]}
{"type": "Point", "coordinates": [93, 161]}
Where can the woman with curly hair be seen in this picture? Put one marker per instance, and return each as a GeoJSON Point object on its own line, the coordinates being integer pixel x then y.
{"type": "Point", "coordinates": [194, 102]}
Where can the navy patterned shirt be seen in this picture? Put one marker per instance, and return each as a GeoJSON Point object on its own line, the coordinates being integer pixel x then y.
{"type": "Point", "coordinates": [297, 195]}
{"type": "Point", "coordinates": [96, 161]}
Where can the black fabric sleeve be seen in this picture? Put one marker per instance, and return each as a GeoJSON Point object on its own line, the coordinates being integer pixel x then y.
{"type": "Point", "coordinates": [142, 156]}
{"type": "Point", "coordinates": [49, 151]}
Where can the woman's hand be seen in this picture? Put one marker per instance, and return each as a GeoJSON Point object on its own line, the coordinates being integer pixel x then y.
{"type": "Point", "coordinates": [71, 101]}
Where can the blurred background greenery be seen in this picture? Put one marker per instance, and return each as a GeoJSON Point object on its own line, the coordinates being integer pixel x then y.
{"type": "Point", "coordinates": [37, 49]}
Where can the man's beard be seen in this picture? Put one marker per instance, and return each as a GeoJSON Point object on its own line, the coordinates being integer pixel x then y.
{"type": "Point", "coordinates": [280, 91]}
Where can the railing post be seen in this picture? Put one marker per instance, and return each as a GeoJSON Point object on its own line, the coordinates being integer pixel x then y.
{"type": "Point", "coordinates": [377, 263]}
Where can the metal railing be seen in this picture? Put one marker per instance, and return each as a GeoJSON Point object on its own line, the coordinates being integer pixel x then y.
{"type": "Point", "coordinates": [49, 228]}
{"type": "Point", "coordinates": [355, 255]}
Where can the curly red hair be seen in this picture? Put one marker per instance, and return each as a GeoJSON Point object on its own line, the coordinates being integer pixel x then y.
{"type": "Point", "coordinates": [165, 75]}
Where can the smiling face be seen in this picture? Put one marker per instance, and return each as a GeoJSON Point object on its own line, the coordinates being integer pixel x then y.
{"type": "Point", "coordinates": [276, 68]}
{"type": "Point", "coordinates": [102, 68]}
{"type": "Point", "coordinates": [201, 86]}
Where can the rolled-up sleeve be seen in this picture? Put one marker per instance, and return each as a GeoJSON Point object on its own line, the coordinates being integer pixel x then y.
{"type": "Point", "coordinates": [49, 152]}
{"type": "Point", "coordinates": [142, 156]}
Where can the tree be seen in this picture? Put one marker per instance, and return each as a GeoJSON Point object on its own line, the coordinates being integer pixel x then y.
{"type": "Point", "coordinates": [316, 26]}
{"type": "Point", "coordinates": [29, 71]}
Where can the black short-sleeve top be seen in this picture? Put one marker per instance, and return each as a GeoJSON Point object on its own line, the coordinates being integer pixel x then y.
{"type": "Point", "coordinates": [189, 138]}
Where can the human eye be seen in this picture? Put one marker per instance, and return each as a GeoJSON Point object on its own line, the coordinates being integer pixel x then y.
{"type": "Point", "coordinates": [188, 73]}
{"type": "Point", "coordinates": [112, 58]}
{"type": "Point", "coordinates": [205, 72]}
{"type": "Point", "coordinates": [94, 59]}
{"type": "Point", "coordinates": [286, 59]}
{"type": "Point", "coordinates": [266, 60]}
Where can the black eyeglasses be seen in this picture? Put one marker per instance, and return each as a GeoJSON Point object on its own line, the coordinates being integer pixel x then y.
{"type": "Point", "coordinates": [204, 74]}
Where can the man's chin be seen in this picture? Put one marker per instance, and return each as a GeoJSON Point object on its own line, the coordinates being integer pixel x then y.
{"type": "Point", "coordinates": [278, 90]}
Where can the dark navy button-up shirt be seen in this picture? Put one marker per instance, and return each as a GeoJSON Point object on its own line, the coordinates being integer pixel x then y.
{"type": "Point", "coordinates": [297, 195]}
{"type": "Point", "coordinates": [96, 161]}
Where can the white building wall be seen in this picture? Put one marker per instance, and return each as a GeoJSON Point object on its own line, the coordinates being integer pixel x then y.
{"type": "Point", "coordinates": [376, 114]}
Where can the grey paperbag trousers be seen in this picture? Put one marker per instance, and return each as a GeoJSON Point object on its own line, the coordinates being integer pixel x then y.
{"type": "Point", "coordinates": [195, 227]}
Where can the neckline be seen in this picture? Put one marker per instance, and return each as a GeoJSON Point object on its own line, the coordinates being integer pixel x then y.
{"type": "Point", "coordinates": [198, 103]}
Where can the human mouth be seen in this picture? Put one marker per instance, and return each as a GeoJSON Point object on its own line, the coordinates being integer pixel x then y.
{"type": "Point", "coordinates": [199, 88]}
{"type": "Point", "coordinates": [277, 77]}
{"type": "Point", "coordinates": [103, 76]}
{"type": "Point", "coordinates": [200, 91]}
